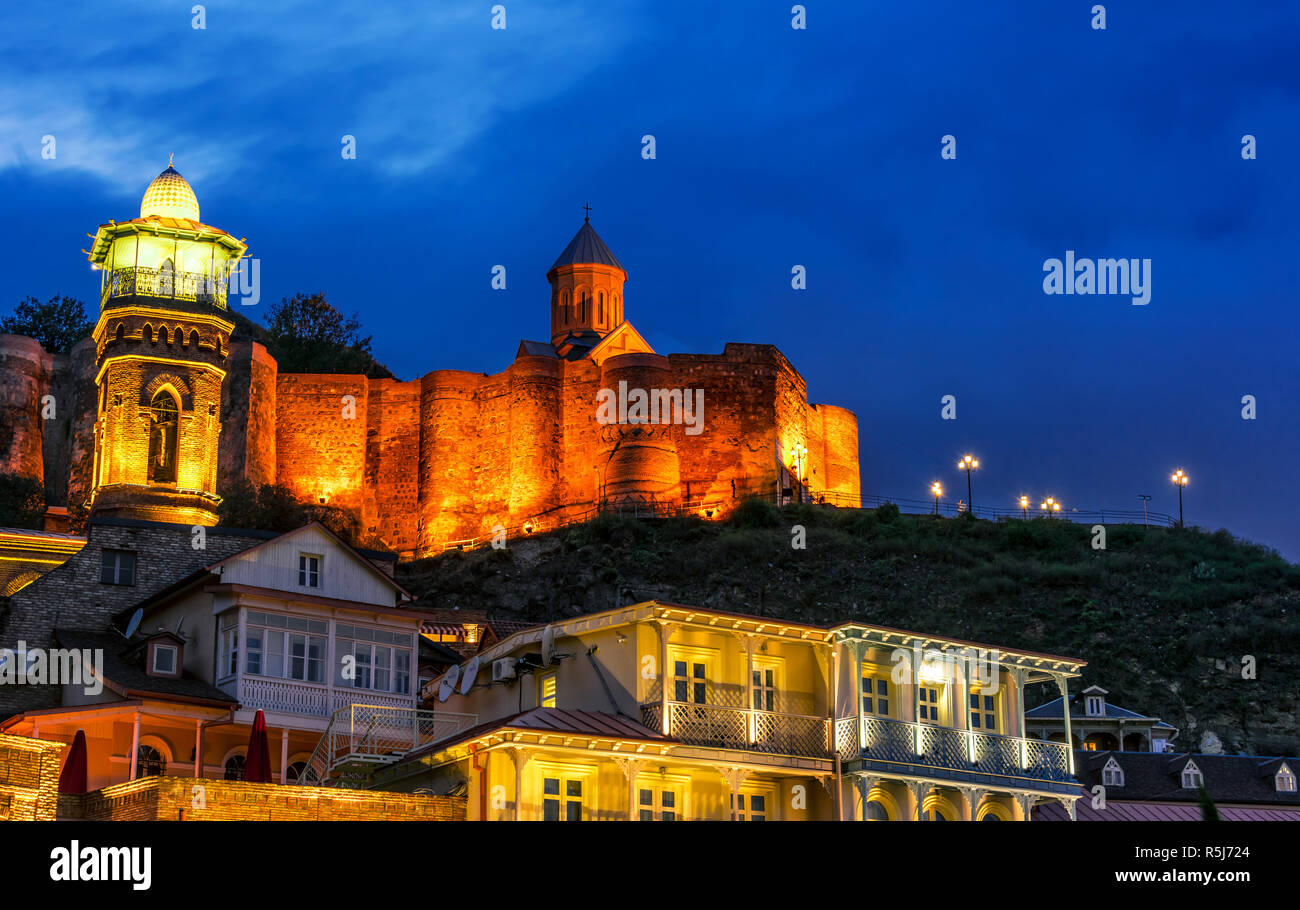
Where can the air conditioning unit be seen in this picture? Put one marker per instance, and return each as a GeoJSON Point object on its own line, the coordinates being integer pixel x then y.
{"type": "Point", "coordinates": [504, 668]}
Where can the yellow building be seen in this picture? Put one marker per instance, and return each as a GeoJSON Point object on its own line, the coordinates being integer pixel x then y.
{"type": "Point", "coordinates": [662, 711]}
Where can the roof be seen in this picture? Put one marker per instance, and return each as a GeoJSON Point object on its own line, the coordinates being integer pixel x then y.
{"type": "Point", "coordinates": [170, 195]}
{"type": "Point", "coordinates": [586, 248]}
{"type": "Point", "coordinates": [1118, 811]}
{"type": "Point", "coordinates": [123, 668]}
{"type": "Point", "coordinates": [599, 724]}
{"type": "Point", "coordinates": [1157, 776]}
{"type": "Point", "coordinates": [1052, 711]}
{"type": "Point", "coordinates": [536, 349]}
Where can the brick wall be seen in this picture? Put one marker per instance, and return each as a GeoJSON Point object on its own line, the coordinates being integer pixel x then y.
{"type": "Point", "coordinates": [29, 778]}
{"type": "Point", "coordinates": [175, 799]}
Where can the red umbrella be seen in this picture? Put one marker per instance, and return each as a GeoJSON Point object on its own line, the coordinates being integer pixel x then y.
{"type": "Point", "coordinates": [75, 770]}
{"type": "Point", "coordinates": [257, 765]}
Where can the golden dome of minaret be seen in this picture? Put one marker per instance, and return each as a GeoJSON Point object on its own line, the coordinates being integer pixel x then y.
{"type": "Point", "coordinates": [170, 196]}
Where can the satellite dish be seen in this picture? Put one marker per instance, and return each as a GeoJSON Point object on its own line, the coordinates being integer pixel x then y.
{"type": "Point", "coordinates": [444, 690]}
{"type": "Point", "coordinates": [452, 675]}
{"type": "Point", "coordinates": [134, 622]}
{"type": "Point", "coordinates": [548, 645]}
{"type": "Point", "coordinates": [471, 671]}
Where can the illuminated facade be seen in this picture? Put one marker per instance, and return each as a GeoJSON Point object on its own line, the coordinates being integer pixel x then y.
{"type": "Point", "coordinates": [161, 410]}
{"type": "Point", "coordinates": [665, 712]}
{"type": "Point", "coordinates": [161, 343]}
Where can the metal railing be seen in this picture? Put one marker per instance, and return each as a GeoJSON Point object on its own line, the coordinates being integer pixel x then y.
{"type": "Point", "coordinates": [376, 734]}
{"type": "Point", "coordinates": [139, 281]}
{"type": "Point", "coordinates": [722, 727]}
{"type": "Point", "coordinates": [903, 742]}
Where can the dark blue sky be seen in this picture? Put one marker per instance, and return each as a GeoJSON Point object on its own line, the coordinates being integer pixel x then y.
{"type": "Point", "coordinates": [775, 147]}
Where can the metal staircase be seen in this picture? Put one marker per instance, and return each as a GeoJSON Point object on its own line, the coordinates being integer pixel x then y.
{"type": "Point", "coordinates": [361, 737]}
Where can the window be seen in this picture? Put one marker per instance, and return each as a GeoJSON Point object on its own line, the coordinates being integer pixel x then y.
{"type": "Point", "coordinates": [657, 804]}
{"type": "Point", "coordinates": [983, 711]}
{"type": "Point", "coordinates": [381, 660]}
{"type": "Point", "coordinates": [149, 762]}
{"type": "Point", "coordinates": [875, 696]}
{"type": "Point", "coordinates": [287, 647]}
{"type": "Point", "coordinates": [690, 681]}
{"type": "Point", "coordinates": [601, 312]}
{"type": "Point", "coordinates": [876, 811]}
{"type": "Point", "coordinates": [234, 768]}
{"type": "Point", "coordinates": [546, 691]}
{"type": "Point", "coordinates": [1192, 777]}
{"type": "Point", "coordinates": [1285, 780]}
{"type": "Point", "coordinates": [928, 709]}
{"type": "Point", "coordinates": [166, 279]}
{"type": "Point", "coordinates": [293, 773]}
{"type": "Point", "coordinates": [750, 807]}
{"type": "Point", "coordinates": [1112, 775]}
{"type": "Point", "coordinates": [164, 417]}
{"type": "Point", "coordinates": [1093, 707]}
{"type": "Point", "coordinates": [765, 689]}
{"type": "Point", "coordinates": [562, 799]}
{"type": "Point", "coordinates": [117, 567]}
{"type": "Point", "coordinates": [308, 570]}
{"type": "Point", "coordinates": [164, 659]}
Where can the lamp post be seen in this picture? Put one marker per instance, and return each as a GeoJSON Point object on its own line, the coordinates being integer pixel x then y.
{"type": "Point", "coordinates": [968, 464]}
{"type": "Point", "coordinates": [1024, 506]}
{"type": "Point", "coordinates": [798, 452]}
{"type": "Point", "coordinates": [1050, 505]}
{"type": "Point", "coordinates": [937, 490]}
{"type": "Point", "coordinates": [1180, 481]}
{"type": "Point", "coordinates": [1146, 498]}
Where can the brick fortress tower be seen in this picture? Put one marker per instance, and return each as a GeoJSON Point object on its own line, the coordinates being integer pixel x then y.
{"type": "Point", "coordinates": [160, 358]}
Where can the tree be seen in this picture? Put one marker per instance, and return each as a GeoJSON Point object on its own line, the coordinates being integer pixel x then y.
{"type": "Point", "coordinates": [22, 502]}
{"type": "Point", "coordinates": [308, 335]}
{"type": "Point", "coordinates": [57, 324]}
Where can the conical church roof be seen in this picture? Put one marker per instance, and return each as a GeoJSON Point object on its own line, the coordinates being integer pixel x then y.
{"type": "Point", "coordinates": [586, 248]}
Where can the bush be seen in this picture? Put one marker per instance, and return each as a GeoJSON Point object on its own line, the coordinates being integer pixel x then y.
{"type": "Point", "coordinates": [887, 513]}
{"type": "Point", "coordinates": [22, 502]}
{"type": "Point", "coordinates": [756, 512]}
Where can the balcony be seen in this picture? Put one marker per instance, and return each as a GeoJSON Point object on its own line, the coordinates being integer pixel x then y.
{"type": "Point", "coordinates": [360, 736]}
{"type": "Point", "coordinates": [134, 281]}
{"type": "Point", "coordinates": [312, 700]}
{"type": "Point", "coordinates": [722, 727]}
{"type": "Point", "coordinates": [899, 742]}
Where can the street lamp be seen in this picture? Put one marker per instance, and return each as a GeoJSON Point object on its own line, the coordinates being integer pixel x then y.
{"type": "Point", "coordinates": [1024, 506]}
{"type": "Point", "coordinates": [937, 490]}
{"type": "Point", "coordinates": [1180, 480]}
{"type": "Point", "coordinates": [968, 464]}
{"type": "Point", "coordinates": [1050, 505]}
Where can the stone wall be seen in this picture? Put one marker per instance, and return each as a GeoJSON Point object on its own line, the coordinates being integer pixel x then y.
{"type": "Point", "coordinates": [29, 778]}
{"type": "Point", "coordinates": [175, 799]}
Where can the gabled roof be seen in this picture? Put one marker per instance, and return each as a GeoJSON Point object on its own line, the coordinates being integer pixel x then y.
{"type": "Point", "coordinates": [586, 248]}
{"type": "Point", "coordinates": [123, 669]}
{"type": "Point", "coordinates": [1157, 777]}
{"type": "Point", "coordinates": [622, 339]}
{"type": "Point", "coordinates": [1052, 711]}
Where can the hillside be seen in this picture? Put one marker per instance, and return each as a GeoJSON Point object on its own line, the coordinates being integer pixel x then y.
{"type": "Point", "coordinates": [1163, 616]}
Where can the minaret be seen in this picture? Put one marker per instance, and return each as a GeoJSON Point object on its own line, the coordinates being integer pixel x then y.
{"type": "Point", "coordinates": [586, 287]}
{"type": "Point", "coordinates": [160, 351]}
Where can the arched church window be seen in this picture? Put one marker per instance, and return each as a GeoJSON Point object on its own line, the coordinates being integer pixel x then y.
{"type": "Point", "coordinates": [564, 307]}
{"type": "Point", "coordinates": [163, 336]}
{"type": "Point", "coordinates": [600, 316]}
{"type": "Point", "coordinates": [147, 333]}
{"type": "Point", "coordinates": [121, 330]}
{"type": "Point", "coordinates": [163, 436]}
{"type": "Point", "coordinates": [167, 279]}
{"type": "Point", "coordinates": [582, 308]}
{"type": "Point", "coordinates": [194, 337]}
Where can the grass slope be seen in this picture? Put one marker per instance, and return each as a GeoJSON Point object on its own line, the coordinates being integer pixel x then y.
{"type": "Point", "coordinates": [1164, 616]}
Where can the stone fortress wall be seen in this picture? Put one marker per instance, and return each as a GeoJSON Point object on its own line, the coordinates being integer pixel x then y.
{"type": "Point", "coordinates": [453, 454]}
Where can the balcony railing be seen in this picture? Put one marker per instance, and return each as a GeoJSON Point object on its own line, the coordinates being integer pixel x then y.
{"type": "Point", "coordinates": [313, 700]}
{"type": "Point", "coordinates": [145, 282]}
{"type": "Point", "coordinates": [901, 742]}
{"type": "Point", "coordinates": [361, 735]}
{"type": "Point", "coordinates": [725, 727]}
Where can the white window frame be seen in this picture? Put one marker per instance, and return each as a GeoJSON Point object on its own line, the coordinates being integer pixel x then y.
{"type": "Point", "coordinates": [566, 774]}
{"type": "Point", "coordinates": [983, 712]}
{"type": "Point", "coordinates": [1284, 781]}
{"type": "Point", "coordinates": [692, 658]}
{"type": "Point", "coordinates": [548, 680]}
{"type": "Point", "coordinates": [309, 569]}
{"type": "Point", "coordinates": [876, 675]}
{"type": "Point", "coordinates": [743, 809]}
{"type": "Point", "coordinates": [1192, 778]}
{"type": "Point", "coordinates": [1094, 706]}
{"type": "Point", "coordinates": [174, 651]}
{"type": "Point", "coordinates": [934, 714]}
{"type": "Point", "coordinates": [1112, 775]}
{"type": "Point", "coordinates": [658, 785]}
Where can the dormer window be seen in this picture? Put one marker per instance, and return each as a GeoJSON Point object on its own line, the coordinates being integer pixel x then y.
{"type": "Point", "coordinates": [308, 570]}
{"type": "Point", "coordinates": [1112, 775]}
{"type": "Point", "coordinates": [1094, 706]}
{"type": "Point", "coordinates": [1285, 780]}
{"type": "Point", "coordinates": [164, 660]}
{"type": "Point", "coordinates": [1192, 777]}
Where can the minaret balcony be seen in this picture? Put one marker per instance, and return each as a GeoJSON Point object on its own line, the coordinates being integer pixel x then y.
{"type": "Point", "coordinates": [163, 284]}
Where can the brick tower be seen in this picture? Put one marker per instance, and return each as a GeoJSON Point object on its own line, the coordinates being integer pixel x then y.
{"type": "Point", "coordinates": [586, 289]}
{"type": "Point", "coordinates": [161, 344]}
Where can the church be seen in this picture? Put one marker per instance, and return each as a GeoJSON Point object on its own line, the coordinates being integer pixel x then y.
{"type": "Point", "coordinates": [161, 408]}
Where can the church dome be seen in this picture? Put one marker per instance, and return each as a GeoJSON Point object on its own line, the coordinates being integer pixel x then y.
{"type": "Point", "coordinates": [586, 248]}
{"type": "Point", "coordinates": [170, 196]}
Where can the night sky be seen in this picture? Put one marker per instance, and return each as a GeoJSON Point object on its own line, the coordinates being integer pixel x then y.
{"type": "Point", "coordinates": [775, 147]}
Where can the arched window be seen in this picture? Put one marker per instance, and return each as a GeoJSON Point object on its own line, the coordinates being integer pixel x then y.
{"type": "Point", "coordinates": [163, 336]}
{"type": "Point", "coordinates": [582, 307]}
{"type": "Point", "coordinates": [147, 333]}
{"type": "Point", "coordinates": [564, 307]}
{"type": "Point", "coordinates": [163, 434]}
{"type": "Point", "coordinates": [149, 762]}
{"type": "Point", "coordinates": [876, 811]}
{"type": "Point", "coordinates": [194, 337]}
{"type": "Point", "coordinates": [166, 279]}
{"type": "Point", "coordinates": [600, 313]}
{"type": "Point", "coordinates": [293, 773]}
{"type": "Point", "coordinates": [234, 768]}
{"type": "Point", "coordinates": [121, 330]}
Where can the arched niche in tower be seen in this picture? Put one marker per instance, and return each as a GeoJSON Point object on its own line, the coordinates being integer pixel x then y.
{"type": "Point", "coordinates": [164, 436]}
